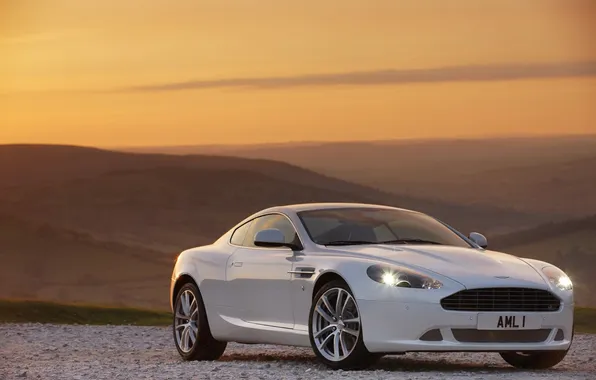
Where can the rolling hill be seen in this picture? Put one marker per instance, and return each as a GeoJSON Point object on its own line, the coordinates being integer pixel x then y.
{"type": "Point", "coordinates": [169, 203]}
{"type": "Point", "coordinates": [95, 226]}
{"type": "Point", "coordinates": [549, 175]}
{"type": "Point", "coordinates": [552, 231]}
{"type": "Point", "coordinates": [42, 262]}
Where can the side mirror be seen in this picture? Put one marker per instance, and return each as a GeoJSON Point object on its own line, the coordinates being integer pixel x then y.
{"type": "Point", "coordinates": [270, 238]}
{"type": "Point", "coordinates": [274, 238]}
{"type": "Point", "coordinates": [479, 239]}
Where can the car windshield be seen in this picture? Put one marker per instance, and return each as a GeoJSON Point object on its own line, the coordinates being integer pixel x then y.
{"type": "Point", "coordinates": [352, 226]}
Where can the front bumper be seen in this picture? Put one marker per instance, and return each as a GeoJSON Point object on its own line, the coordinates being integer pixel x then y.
{"type": "Point", "coordinates": [396, 327]}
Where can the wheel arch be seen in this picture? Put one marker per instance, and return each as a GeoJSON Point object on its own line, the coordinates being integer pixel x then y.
{"type": "Point", "coordinates": [182, 280]}
{"type": "Point", "coordinates": [325, 278]}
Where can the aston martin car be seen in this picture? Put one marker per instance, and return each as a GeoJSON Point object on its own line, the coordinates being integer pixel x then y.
{"type": "Point", "coordinates": [357, 281]}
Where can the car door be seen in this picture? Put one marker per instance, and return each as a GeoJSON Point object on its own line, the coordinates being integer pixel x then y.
{"type": "Point", "coordinates": [258, 278]}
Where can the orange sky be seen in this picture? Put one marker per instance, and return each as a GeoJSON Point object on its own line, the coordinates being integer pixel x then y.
{"type": "Point", "coordinates": [106, 72]}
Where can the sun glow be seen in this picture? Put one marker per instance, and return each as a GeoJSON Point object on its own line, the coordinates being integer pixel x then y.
{"type": "Point", "coordinates": [193, 63]}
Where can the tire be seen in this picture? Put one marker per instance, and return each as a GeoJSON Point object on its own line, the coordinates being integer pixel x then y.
{"type": "Point", "coordinates": [204, 346]}
{"type": "Point", "coordinates": [534, 359]}
{"type": "Point", "coordinates": [328, 332]}
{"type": "Point", "coordinates": [537, 359]}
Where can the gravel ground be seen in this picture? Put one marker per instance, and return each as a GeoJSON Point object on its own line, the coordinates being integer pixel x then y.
{"type": "Point", "coordinates": [41, 351]}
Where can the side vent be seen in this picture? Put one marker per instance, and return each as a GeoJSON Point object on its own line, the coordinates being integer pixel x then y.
{"type": "Point", "coordinates": [303, 272]}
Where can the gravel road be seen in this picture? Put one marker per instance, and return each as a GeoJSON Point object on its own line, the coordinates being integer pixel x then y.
{"type": "Point", "coordinates": [39, 351]}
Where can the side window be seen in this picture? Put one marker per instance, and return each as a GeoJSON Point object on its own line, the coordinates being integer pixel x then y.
{"type": "Point", "coordinates": [240, 233]}
{"type": "Point", "coordinates": [271, 221]}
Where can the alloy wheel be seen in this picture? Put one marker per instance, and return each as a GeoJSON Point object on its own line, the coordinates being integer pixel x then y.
{"type": "Point", "coordinates": [336, 324]}
{"type": "Point", "coordinates": [186, 325]}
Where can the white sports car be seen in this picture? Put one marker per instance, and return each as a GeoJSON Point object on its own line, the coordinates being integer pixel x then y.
{"type": "Point", "coordinates": [356, 282]}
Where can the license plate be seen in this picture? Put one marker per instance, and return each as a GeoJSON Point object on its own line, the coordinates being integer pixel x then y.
{"type": "Point", "coordinates": [509, 322]}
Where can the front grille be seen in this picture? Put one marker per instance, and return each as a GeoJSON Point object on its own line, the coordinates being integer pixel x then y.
{"type": "Point", "coordinates": [502, 299]}
{"type": "Point", "coordinates": [500, 336]}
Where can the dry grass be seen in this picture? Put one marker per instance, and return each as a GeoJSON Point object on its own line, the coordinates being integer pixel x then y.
{"type": "Point", "coordinates": [19, 311]}
{"type": "Point", "coordinates": [46, 263]}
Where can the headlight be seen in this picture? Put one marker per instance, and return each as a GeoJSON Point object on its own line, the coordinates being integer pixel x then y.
{"type": "Point", "coordinates": [400, 277]}
{"type": "Point", "coordinates": [557, 277]}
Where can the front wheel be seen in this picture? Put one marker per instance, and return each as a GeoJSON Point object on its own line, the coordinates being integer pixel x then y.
{"type": "Point", "coordinates": [192, 334]}
{"type": "Point", "coordinates": [335, 328]}
{"type": "Point", "coordinates": [534, 359]}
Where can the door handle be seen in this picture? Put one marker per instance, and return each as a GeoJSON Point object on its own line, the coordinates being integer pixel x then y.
{"type": "Point", "coordinates": [237, 264]}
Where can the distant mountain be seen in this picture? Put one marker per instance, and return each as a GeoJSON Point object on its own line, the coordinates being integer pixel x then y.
{"type": "Point", "coordinates": [42, 262]}
{"type": "Point", "coordinates": [555, 176]}
{"type": "Point", "coordinates": [169, 203]}
{"type": "Point", "coordinates": [570, 245]}
{"type": "Point", "coordinates": [95, 226]}
{"type": "Point", "coordinates": [564, 188]}
{"type": "Point", "coordinates": [555, 230]}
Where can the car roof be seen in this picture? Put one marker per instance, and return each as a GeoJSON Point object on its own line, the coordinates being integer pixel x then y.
{"type": "Point", "coordinates": [294, 208]}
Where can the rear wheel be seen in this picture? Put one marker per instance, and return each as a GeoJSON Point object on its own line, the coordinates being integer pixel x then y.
{"type": "Point", "coordinates": [192, 335]}
{"type": "Point", "coordinates": [534, 359]}
{"type": "Point", "coordinates": [335, 328]}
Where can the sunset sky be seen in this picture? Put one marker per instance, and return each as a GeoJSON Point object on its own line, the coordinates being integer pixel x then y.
{"type": "Point", "coordinates": [149, 72]}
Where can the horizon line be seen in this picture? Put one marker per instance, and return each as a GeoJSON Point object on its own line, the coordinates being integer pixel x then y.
{"type": "Point", "coordinates": [355, 141]}
{"type": "Point", "coordinates": [306, 142]}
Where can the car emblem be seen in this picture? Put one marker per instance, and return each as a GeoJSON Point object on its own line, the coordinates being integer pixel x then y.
{"type": "Point", "coordinates": [502, 277]}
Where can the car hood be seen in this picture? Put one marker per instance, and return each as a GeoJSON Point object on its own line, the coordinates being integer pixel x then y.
{"type": "Point", "coordinates": [469, 266]}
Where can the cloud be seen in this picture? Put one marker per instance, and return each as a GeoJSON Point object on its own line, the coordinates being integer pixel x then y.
{"type": "Point", "coordinates": [470, 73]}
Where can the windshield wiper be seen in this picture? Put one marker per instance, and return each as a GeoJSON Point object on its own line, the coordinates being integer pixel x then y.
{"type": "Point", "coordinates": [395, 241]}
{"type": "Point", "coordinates": [349, 242]}
{"type": "Point", "coordinates": [409, 241]}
